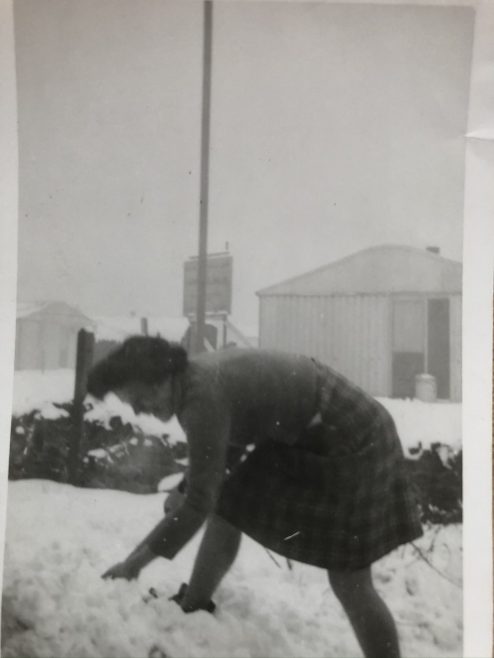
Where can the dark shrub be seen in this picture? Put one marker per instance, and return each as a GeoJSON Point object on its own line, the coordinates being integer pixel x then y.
{"type": "Point", "coordinates": [118, 457]}
{"type": "Point", "coordinates": [122, 457]}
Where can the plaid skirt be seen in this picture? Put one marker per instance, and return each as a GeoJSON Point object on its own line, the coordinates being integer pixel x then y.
{"type": "Point", "coordinates": [324, 501]}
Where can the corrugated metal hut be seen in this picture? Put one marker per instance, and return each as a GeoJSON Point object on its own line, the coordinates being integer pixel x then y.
{"type": "Point", "coordinates": [380, 316]}
{"type": "Point", "coordinates": [46, 335]}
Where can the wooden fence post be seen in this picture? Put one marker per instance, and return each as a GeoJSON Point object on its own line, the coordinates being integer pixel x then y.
{"type": "Point", "coordinates": [85, 354]}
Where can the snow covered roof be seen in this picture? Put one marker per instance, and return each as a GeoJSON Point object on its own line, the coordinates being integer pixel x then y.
{"type": "Point", "coordinates": [24, 309]}
{"type": "Point", "coordinates": [52, 309]}
{"type": "Point", "coordinates": [120, 327]}
{"type": "Point", "coordinates": [251, 331]}
{"type": "Point", "coordinates": [381, 269]}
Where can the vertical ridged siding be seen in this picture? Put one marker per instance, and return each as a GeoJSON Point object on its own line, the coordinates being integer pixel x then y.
{"type": "Point", "coordinates": [348, 332]}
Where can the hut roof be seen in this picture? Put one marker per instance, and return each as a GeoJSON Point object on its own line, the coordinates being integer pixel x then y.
{"type": "Point", "coordinates": [50, 309]}
{"type": "Point", "coordinates": [381, 269]}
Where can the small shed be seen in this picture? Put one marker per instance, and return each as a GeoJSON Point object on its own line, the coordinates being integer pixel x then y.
{"type": "Point", "coordinates": [46, 335]}
{"type": "Point", "coordinates": [380, 316]}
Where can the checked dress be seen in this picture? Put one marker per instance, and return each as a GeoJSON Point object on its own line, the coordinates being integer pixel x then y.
{"type": "Point", "coordinates": [337, 498]}
{"type": "Point", "coordinates": [314, 466]}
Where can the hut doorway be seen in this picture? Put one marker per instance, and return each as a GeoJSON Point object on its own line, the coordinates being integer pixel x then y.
{"type": "Point", "coordinates": [408, 354]}
{"type": "Point", "coordinates": [438, 345]}
{"type": "Point", "coordinates": [421, 344]}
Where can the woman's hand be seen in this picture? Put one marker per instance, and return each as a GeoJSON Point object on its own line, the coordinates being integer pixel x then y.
{"type": "Point", "coordinates": [131, 567]}
{"type": "Point", "coordinates": [124, 569]}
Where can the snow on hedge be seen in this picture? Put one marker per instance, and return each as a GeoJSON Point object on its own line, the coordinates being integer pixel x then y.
{"type": "Point", "coordinates": [112, 407]}
{"type": "Point", "coordinates": [38, 390]}
{"type": "Point", "coordinates": [418, 422]}
{"type": "Point", "coordinates": [60, 539]}
{"type": "Point", "coordinates": [425, 422]}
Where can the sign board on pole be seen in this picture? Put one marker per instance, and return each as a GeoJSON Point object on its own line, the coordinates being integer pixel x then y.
{"type": "Point", "coordinates": [218, 285]}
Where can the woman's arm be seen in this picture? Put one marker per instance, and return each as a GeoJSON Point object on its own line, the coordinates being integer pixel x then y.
{"type": "Point", "coordinates": [181, 526]}
{"type": "Point", "coordinates": [206, 427]}
{"type": "Point", "coordinates": [131, 567]}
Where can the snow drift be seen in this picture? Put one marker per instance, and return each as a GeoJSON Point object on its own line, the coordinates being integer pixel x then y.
{"type": "Point", "coordinates": [60, 539]}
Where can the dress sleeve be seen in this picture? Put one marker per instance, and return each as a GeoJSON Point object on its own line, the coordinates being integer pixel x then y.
{"type": "Point", "coordinates": [206, 426]}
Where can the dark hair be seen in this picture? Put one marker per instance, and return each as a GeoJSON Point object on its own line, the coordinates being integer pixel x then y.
{"type": "Point", "coordinates": [143, 359]}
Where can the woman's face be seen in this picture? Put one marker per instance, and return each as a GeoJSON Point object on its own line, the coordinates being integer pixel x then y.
{"type": "Point", "coordinates": [155, 399]}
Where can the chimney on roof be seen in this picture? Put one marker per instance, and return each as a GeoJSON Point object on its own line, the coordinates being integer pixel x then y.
{"type": "Point", "coordinates": [433, 250]}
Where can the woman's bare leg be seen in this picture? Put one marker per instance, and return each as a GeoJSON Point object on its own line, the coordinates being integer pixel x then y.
{"type": "Point", "coordinates": [218, 550]}
{"type": "Point", "coordinates": [368, 614]}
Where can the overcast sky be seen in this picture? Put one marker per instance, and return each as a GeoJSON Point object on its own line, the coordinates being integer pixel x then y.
{"type": "Point", "coordinates": [333, 128]}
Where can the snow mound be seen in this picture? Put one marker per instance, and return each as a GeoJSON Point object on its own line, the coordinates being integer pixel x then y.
{"type": "Point", "coordinates": [60, 540]}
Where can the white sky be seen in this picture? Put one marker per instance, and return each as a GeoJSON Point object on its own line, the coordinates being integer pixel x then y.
{"type": "Point", "coordinates": [333, 128]}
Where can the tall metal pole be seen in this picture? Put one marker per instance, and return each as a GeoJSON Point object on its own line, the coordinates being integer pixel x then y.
{"type": "Point", "coordinates": [202, 264]}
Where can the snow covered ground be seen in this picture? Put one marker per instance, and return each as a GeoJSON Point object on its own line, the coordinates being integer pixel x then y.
{"type": "Point", "coordinates": [417, 422]}
{"type": "Point", "coordinates": [60, 539]}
